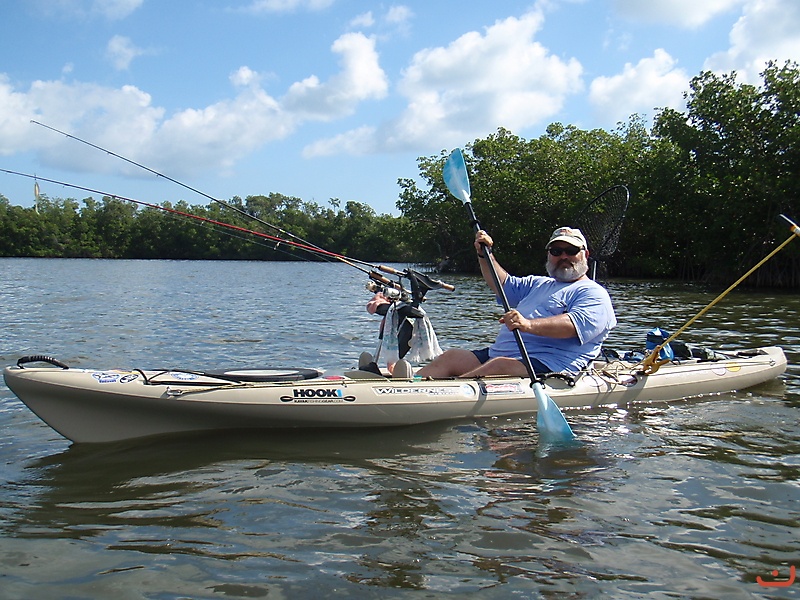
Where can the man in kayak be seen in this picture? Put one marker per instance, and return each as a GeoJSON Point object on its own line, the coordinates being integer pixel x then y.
{"type": "Point", "coordinates": [563, 318]}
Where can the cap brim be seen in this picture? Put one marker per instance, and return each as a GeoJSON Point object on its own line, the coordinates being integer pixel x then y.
{"type": "Point", "coordinates": [569, 240]}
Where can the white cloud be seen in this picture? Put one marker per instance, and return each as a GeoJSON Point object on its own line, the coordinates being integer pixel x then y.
{"type": "Point", "coordinates": [767, 30]}
{"type": "Point", "coordinates": [97, 111]}
{"type": "Point", "coordinates": [121, 51]}
{"type": "Point", "coordinates": [365, 20]}
{"type": "Point", "coordinates": [244, 77]}
{"type": "Point", "coordinates": [651, 83]}
{"type": "Point", "coordinates": [220, 134]}
{"type": "Point", "coordinates": [361, 78]}
{"type": "Point", "coordinates": [16, 111]}
{"type": "Point", "coordinates": [112, 10]}
{"type": "Point", "coordinates": [684, 13]}
{"type": "Point", "coordinates": [273, 6]}
{"type": "Point", "coordinates": [355, 142]}
{"type": "Point", "coordinates": [399, 14]}
{"type": "Point", "coordinates": [115, 9]}
{"type": "Point", "coordinates": [192, 140]}
{"type": "Point", "coordinates": [397, 19]}
{"type": "Point", "coordinates": [471, 87]}
{"type": "Point", "coordinates": [125, 119]}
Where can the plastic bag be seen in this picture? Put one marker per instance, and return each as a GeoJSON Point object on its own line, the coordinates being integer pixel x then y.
{"type": "Point", "coordinates": [391, 353]}
{"type": "Point", "coordinates": [424, 344]}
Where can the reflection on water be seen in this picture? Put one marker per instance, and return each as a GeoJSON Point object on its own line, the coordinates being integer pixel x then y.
{"type": "Point", "coordinates": [691, 499]}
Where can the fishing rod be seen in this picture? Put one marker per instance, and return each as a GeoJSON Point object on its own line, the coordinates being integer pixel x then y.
{"type": "Point", "coordinates": [418, 280]}
{"type": "Point", "coordinates": [294, 244]}
{"type": "Point", "coordinates": [651, 364]}
{"type": "Point", "coordinates": [184, 185]}
{"type": "Point", "coordinates": [297, 240]}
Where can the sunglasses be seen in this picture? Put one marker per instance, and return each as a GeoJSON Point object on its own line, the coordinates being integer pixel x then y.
{"type": "Point", "coordinates": [571, 251]}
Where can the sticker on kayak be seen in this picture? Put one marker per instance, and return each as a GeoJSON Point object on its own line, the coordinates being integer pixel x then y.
{"type": "Point", "coordinates": [627, 380]}
{"type": "Point", "coordinates": [503, 388]}
{"type": "Point", "coordinates": [317, 396]}
{"type": "Point", "coordinates": [114, 376]}
{"type": "Point", "coordinates": [726, 368]}
{"type": "Point", "coordinates": [463, 390]}
{"type": "Point", "coordinates": [105, 377]}
{"type": "Point", "coordinates": [183, 376]}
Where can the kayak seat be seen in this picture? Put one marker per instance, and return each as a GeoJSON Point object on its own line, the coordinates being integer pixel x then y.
{"type": "Point", "coordinates": [264, 375]}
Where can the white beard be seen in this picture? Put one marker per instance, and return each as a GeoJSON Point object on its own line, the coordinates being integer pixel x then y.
{"type": "Point", "coordinates": [573, 272]}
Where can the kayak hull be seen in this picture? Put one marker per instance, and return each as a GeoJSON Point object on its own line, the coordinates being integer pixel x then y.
{"type": "Point", "coordinates": [86, 405]}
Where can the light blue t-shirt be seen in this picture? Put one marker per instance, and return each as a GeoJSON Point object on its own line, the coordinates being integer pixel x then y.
{"type": "Point", "coordinates": [585, 301]}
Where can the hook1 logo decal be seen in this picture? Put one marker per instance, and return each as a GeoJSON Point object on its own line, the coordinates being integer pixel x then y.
{"type": "Point", "coordinates": [317, 396]}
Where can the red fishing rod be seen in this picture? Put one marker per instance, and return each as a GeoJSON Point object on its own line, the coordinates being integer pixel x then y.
{"type": "Point", "coordinates": [296, 241]}
{"type": "Point", "coordinates": [278, 240]}
{"type": "Point", "coordinates": [183, 185]}
{"type": "Point", "coordinates": [300, 245]}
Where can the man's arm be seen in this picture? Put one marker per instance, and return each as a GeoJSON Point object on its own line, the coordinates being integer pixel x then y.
{"type": "Point", "coordinates": [558, 326]}
{"type": "Point", "coordinates": [481, 238]}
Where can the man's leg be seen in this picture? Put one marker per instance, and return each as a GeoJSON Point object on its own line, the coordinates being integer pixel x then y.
{"type": "Point", "coordinates": [452, 363]}
{"type": "Point", "coordinates": [498, 366]}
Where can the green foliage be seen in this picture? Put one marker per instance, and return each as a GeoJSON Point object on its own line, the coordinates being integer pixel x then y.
{"type": "Point", "coordinates": [521, 191]}
{"type": "Point", "coordinates": [737, 149]}
{"type": "Point", "coordinates": [113, 228]}
{"type": "Point", "coordinates": [706, 186]}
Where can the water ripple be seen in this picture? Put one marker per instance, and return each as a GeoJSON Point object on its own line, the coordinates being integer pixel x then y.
{"type": "Point", "coordinates": [693, 499]}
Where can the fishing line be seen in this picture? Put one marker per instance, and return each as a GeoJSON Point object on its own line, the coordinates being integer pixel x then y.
{"type": "Point", "coordinates": [278, 241]}
{"type": "Point", "coordinates": [305, 244]}
{"type": "Point", "coordinates": [221, 231]}
{"type": "Point", "coordinates": [184, 185]}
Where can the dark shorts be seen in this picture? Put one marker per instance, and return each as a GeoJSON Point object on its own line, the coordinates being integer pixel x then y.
{"type": "Point", "coordinates": [538, 367]}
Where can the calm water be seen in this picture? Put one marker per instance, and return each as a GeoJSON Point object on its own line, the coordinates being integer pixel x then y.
{"type": "Point", "coordinates": [691, 500]}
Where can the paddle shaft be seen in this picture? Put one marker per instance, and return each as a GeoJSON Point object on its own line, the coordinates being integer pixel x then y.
{"type": "Point", "coordinates": [487, 251]}
{"type": "Point", "coordinates": [552, 426]}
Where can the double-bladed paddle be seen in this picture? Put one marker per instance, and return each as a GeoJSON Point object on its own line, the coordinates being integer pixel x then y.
{"type": "Point", "coordinates": [550, 421]}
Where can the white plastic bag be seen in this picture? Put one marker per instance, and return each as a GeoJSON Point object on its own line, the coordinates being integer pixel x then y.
{"type": "Point", "coordinates": [424, 345]}
{"type": "Point", "coordinates": [391, 352]}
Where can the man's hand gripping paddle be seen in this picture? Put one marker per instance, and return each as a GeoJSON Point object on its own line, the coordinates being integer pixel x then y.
{"type": "Point", "coordinates": [550, 422]}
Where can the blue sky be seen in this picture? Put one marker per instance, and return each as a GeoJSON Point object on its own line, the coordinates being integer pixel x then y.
{"type": "Point", "coordinates": [324, 99]}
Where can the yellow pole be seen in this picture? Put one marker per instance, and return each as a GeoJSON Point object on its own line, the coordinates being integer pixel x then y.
{"type": "Point", "coordinates": [651, 364]}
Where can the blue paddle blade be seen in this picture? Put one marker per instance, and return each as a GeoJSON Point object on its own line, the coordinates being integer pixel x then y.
{"type": "Point", "coordinates": [455, 176]}
{"type": "Point", "coordinates": [550, 422]}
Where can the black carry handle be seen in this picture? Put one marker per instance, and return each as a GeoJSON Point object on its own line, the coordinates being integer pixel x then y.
{"type": "Point", "coordinates": [40, 358]}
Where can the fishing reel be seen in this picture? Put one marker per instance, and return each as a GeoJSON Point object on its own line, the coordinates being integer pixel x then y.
{"type": "Point", "coordinates": [395, 292]}
{"type": "Point", "coordinates": [404, 302]}
{"type": "Point", "coordinates": [389, 292]}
